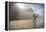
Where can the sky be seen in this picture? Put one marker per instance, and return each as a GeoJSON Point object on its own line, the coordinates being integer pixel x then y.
{"type": "Point", "coordinates": [37, 8]}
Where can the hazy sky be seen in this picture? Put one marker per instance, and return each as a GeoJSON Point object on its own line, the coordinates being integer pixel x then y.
{"type": "Point", "coordinates": [37, 8]}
